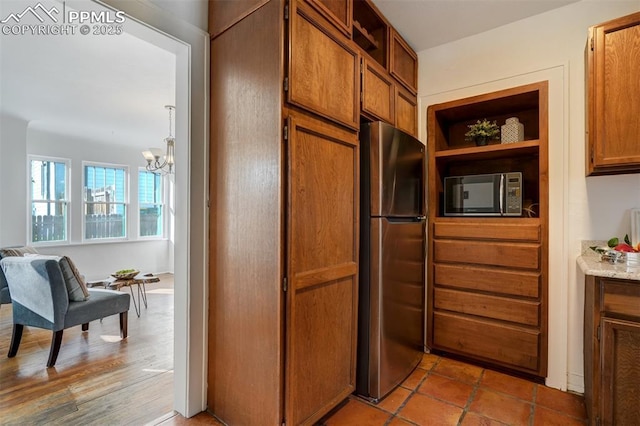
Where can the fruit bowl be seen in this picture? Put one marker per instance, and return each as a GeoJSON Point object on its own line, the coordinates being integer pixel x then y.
{"type": "Point", "coordinates": [125, 274]}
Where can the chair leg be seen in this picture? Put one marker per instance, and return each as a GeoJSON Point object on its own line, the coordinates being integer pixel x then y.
{"type": "Point", "coordinates": [55, 348]}
{"type": "Point", "coordinates": [85, 326]}
{"type": "Point", "coordinates": [123, 324]}
{"type": "Point", "coordinates": [15, 339]}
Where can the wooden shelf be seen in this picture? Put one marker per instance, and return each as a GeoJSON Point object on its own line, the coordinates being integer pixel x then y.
{"type": "Point", "coordinates": [490, 151]}
{"type": "Point", "coordinates": [373, 44]}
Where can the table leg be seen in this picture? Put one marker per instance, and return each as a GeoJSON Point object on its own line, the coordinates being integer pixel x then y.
{"type": "Point", "coordinates": [144, 294]}
{"type": "Point", "coordinates": [135, 305]}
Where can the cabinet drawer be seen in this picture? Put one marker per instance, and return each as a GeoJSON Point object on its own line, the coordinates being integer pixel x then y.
{"type": "Point", "coordinates": [502, 281]}
{"type": "Point", "coordinates": [486, 340]}
{"type": "Point", "coordinates": [491, 231]}
{"type": "Point", "coordinates": [620, 298]}
{"type": "Point", "coordinates": [514, 255]}
{"type": "Point", "coordinates": [483, 305]}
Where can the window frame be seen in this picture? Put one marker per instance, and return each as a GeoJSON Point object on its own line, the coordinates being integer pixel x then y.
{"type": "Point", "coordinates": [126, 203]}
{"type": "Point", "coordinates": [162, 205]}
{"type": "Point", "coordinates": [66, 202]}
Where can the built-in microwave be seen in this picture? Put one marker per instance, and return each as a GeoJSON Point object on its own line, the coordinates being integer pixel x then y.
{"type": "Point", "coordinates": [495, 194]}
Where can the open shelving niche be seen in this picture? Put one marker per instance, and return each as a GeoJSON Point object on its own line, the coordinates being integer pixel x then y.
{"type": "Point", "coordinates": [497, 263]}
{"type": "Point", "coordinates": [455, 156]}
{"type": "Point", "coordinates": [371, 32]}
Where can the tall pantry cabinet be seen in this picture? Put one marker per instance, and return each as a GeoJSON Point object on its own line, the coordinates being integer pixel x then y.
{"type": "Point", "coordinates": [284, 212]}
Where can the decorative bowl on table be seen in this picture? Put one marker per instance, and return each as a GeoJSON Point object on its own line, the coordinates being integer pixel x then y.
{"type": "Point", "coordinates": [125, 274]}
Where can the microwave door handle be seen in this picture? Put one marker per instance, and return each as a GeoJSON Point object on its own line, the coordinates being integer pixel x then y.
{"type": "Point", "coordinates": [502, 194]}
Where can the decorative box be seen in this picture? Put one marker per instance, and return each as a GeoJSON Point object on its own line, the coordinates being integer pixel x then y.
{"type": "Point", "coordinates": [512, 131]}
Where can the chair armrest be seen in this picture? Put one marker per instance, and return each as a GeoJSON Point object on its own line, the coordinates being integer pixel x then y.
{"type": "Point", "coordinates": [38, 285]}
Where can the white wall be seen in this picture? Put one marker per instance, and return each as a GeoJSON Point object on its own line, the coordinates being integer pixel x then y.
{"type": "Point", "coordinates": [95, 260]}
{"type": "Point", "coordinates": [13, 149]}
{"type": "Point", "coordinates": [194, 12]}
{"type": "Point", "coordinates": [550, 45]}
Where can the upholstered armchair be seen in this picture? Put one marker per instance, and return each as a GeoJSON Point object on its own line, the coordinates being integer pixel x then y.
{"type": "Point", "coordinates": [43, 297]}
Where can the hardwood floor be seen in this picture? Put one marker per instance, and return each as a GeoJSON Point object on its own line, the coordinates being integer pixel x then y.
{"type": "Point", "coordinates": [98, 378]}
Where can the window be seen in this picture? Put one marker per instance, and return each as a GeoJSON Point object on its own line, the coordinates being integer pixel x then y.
{"type": "Point", "coordinates": [150, 201]}
{"type": "Point", "coordinates": [49, 199]}
{"type": "Point", "coordinates": [105, 202]}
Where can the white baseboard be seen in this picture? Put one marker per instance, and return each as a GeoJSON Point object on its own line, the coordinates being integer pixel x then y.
{"type": "Point", "coordinates": [575, 382]}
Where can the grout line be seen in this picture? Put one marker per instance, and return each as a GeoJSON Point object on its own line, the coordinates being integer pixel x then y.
{"type": "Point", "coordinates": [472, 396]}
{"type": "Point", "coordinates": [533, 404]}
{"type": "Point", "coordinates": [413, 392]}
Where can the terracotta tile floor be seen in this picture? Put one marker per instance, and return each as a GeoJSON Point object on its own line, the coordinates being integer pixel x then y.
{"type": "Point", "coordinates": [442, 391]}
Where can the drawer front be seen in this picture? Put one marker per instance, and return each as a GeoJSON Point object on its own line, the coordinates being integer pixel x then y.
{"type": "Point", "coordinates": [620, 298]}
{"type": "Point", "coordinates": [520, 283]}
{"type": "Point", "coordinates": [514, 255]}
{"type": "Point", "coordinates": [511, 346]}
{"type": "Point", "coordinates": [470, 229]}
{"type": "Point", "coordinates": [483, 305]}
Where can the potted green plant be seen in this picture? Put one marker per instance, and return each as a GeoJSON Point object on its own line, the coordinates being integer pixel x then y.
{"type": "Point", "coordinates": [482, 131]}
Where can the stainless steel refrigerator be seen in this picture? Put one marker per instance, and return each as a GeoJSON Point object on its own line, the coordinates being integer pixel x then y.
{"type": "Point", "coordinates": [392, 256]}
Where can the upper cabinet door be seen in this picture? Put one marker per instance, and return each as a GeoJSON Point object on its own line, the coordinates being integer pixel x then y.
{"type": "Point", "coordinates": [404, 62]}
{"type": "Point", "coordinates": [338, 12]}
{"type": "Point", "coordinates": [377, 91]}
{"type": "Point", "coordinates": [323, 69]}
{"type": "Point", "coordinates": [613, 97]}
{"type": "Point", "coordinates": [406, 111]}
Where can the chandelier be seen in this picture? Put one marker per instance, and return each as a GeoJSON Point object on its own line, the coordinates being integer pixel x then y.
{"type": "Point", "coordinates": [154, 155]}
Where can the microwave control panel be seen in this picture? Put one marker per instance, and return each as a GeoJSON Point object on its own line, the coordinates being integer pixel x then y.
{"type": "Point", "coordinates": [513, 190]}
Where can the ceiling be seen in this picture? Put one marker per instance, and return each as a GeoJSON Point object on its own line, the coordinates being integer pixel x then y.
{"type": "Point", "coordinates": [429, 23]}
{"type": "Point", "coordinates": [114, 88]}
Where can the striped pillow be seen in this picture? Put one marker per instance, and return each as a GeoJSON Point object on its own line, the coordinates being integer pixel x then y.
{"type": "Point", "coordinates": [16, 251]}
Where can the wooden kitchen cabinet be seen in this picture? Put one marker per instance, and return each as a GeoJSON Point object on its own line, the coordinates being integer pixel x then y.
{"type": "Point", "coordinates": [404, 62]}
{"type": "Point", "coordinates": [337, 12]}
{"type": "Point", "coordinates": [487, 276]}
{"type": "Point", "coordinates": [389, 69]}
{"type": "Point", "coordinates": [378, 92]}
{"type": "Point", "coordinates": [385, 99]}
{"type": "Point", "coordinates": [612, 350]}
{"type": "Point", "coordinates": [327, 87]}
{"type": "Point", "coordinates": [406, 107]}
{"type": "Point", "coordinates": [613, 97]}
{"type": "Point", "coordinates": [371, 31]}
{"type": "Point", "coordinates": [284, 167]}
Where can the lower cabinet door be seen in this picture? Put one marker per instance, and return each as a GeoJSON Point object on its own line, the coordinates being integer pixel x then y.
{"type": "Point", "coordinates": [322, 273]}
{"type": "Point", "coordinates": [620, 372]}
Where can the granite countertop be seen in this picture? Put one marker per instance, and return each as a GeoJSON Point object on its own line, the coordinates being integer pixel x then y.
{"type": "Point", "coordinates": [591, 264]}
